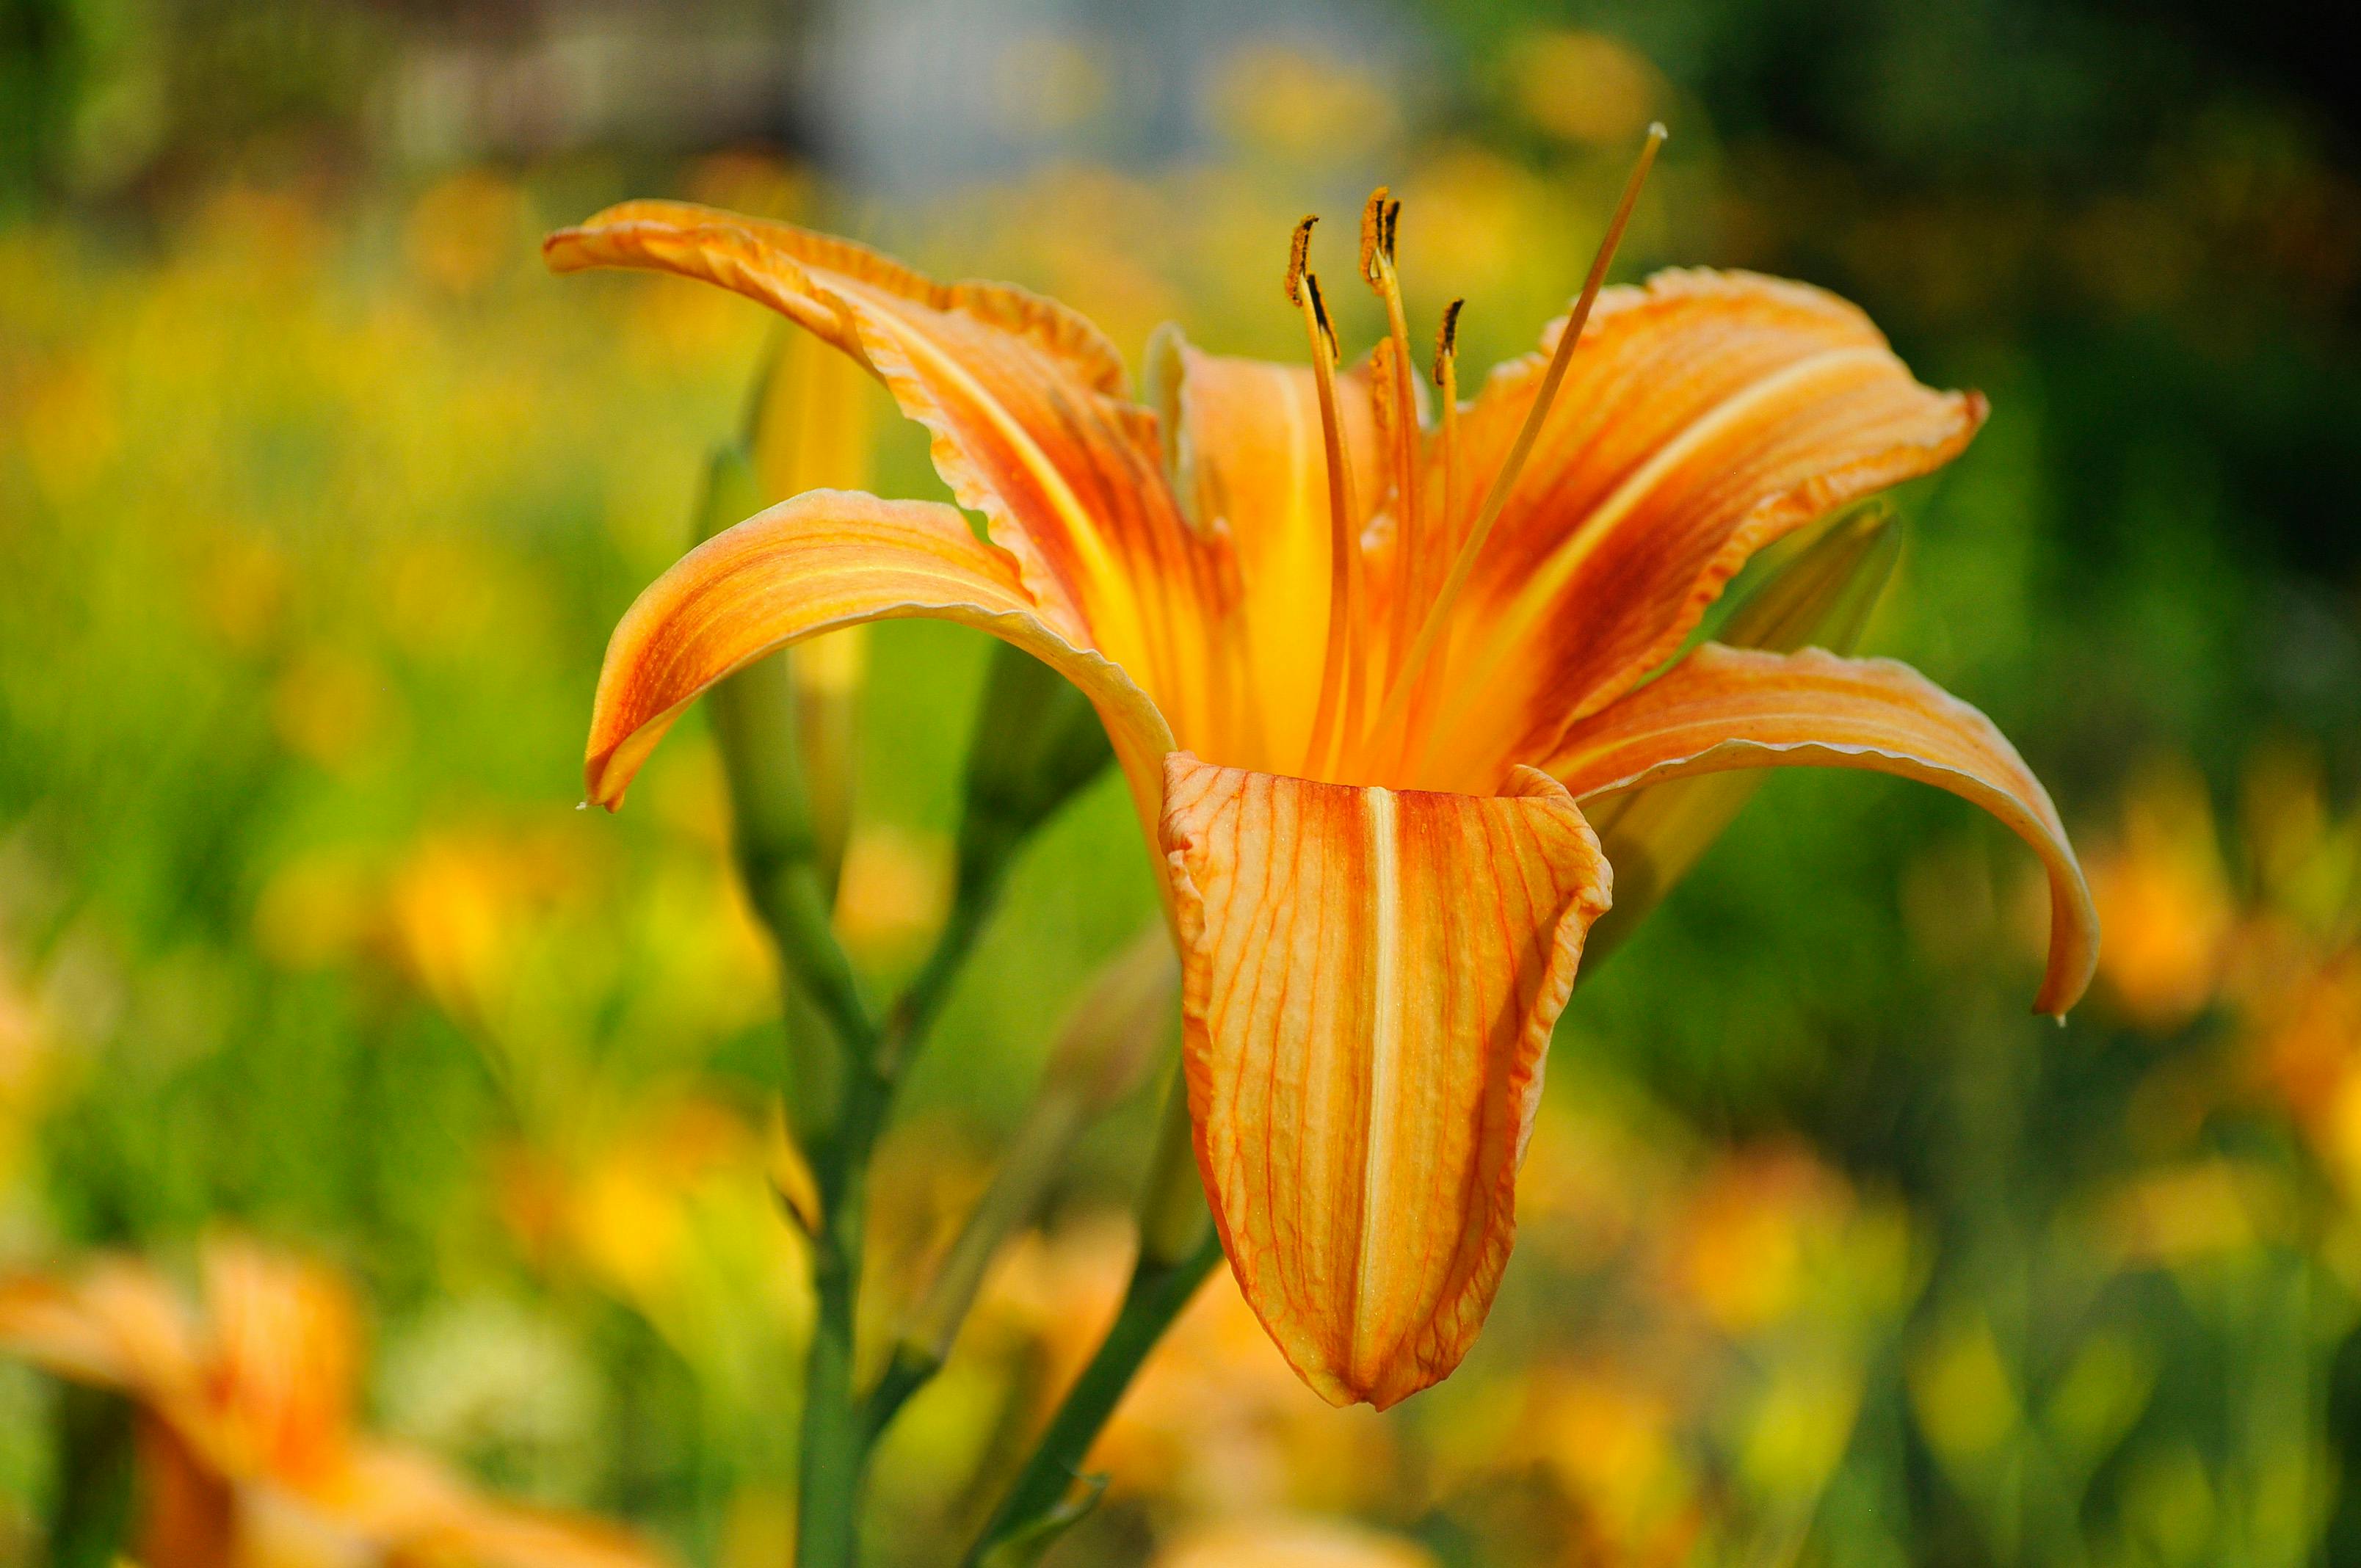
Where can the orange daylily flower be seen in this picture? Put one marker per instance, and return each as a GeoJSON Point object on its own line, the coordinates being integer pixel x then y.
{"type": "Point", "coordinates": [247, 1458]}
{"type": "Point", "coordinates": [1358, 670]}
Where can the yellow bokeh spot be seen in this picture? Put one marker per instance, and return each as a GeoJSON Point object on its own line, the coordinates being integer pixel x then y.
{"type": "Point", "coordinates": [468, 229]}
{"type": "Point", "coordinates": [332, 705]}
{"type": "Point", "coordinates": [1301, 105]}
{"type": "Point", "coordinates": [316, 910]}
{"type": "Point", "coordinates": [1584, 87]}
{"type": "Point", "coordinates": [1961, 1393]}
{"type": "Point", "coordinates": [1800, 1428]}
{"type": "Point", "coordinates": [896, 887]}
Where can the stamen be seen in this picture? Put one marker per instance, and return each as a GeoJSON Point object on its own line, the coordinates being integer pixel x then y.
{"type": "Point", "coordinates": [1373, 233]}
{"type": "Point", "coordinates": [1298, 255]}
{"type": "Point", "coordinates": [1339, 688]}
{"type": "Point", "coordinates": [1497, 495]}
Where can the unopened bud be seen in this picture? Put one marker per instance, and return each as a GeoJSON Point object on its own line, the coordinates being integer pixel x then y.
{"type": "Point", "coordinates": [1038, 741]}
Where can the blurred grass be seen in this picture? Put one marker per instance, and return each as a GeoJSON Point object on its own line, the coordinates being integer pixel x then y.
{"type": "Point", "coordinates": [317, 500]}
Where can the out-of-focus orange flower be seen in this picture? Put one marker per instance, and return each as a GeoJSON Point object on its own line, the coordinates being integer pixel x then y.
{"type": "Point", "coordinates": [674, 1214]}
{"type": "Point", "coordinates": [2165, 899]}
{"type": "Point", "coordinates": [1373, 863]}
{"type": "Point", "coordinates": [1289, 1542]}
{"type": "Point", "coordinates": [247, 1454]}
{"type": "Point", "coordinates": [2308, 1038]}
{"type": "Point", "coordinates": [1738, 1252]}
{"type": "Point", "coordinates": [24, 1058]}
{"type": "Point", "coordinates": [1218, 1423]}
{"type": "Point", "coordinates": [465, 899]}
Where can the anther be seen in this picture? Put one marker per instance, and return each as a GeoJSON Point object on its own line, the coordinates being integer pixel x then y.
{"type": "Point", "coordinates": [1299, 256]}
{"type": "Point", "coordinates": [1374, 238]}
{"type": "Point", "coordinates": [1504, 481]}
{"type": "Point", "coordinates": [1320, 315]}
{"type": "Point", "coordinates": [1339, 697]}
{"type": "Point", "coordinates": [1446, 341]}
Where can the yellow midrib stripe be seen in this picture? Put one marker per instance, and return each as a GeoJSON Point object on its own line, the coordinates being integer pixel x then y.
{"type": "Point", "coordinates": [1532, 602]}
{"type": "Point", "coordinates": [1385, 1050]}
{"type": "Point", "coordinates": [1543, 584]}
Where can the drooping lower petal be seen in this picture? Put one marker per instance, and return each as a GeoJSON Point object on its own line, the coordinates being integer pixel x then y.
{"type": "Point", "coordinates": [827, 559]}
{"type": "Point", "coordinates": [1729, 707]}
{"type": "Point", "coordinates": [1369, 979]}
{"type": "Point", "coordinates": [1703, 416]}
{"type": "Point", "coordinates": [1021, 394]}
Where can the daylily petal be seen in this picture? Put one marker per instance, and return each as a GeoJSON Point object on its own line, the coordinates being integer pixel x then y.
{"type": "Point", "coordinates": [823, 559]}
{"type": "Point", "coordinates": [1369, 979]}
{"type": "Point", "coordinates": [1020, 393]}
{"type": "Point", "coordinates": [1704, 415]}
{"type": "Point", "coordinates": [1729, 708]}
{"type": "Point", "coordinates": [118, 1327]}
{"type": "Point", "coordinates": [1249, 465]}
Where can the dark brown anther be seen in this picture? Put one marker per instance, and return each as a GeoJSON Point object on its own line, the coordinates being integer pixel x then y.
{"type": "Point", "coordinates": [1373, 233]}
{"type": "Point", "coordinates": [1298, 256]}
{"type": "Point", "coordinates": [1393, 219]}
{"type": "Point", "coordinates": [1446, 341]}
{"type": "Point", "coordinates": [1320, 313]}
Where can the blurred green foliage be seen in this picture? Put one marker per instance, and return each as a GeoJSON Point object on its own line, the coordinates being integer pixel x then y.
{"type": "Point", "coordinates": [317, 500]}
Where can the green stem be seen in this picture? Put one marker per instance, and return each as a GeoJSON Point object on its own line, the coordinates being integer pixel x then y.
{"type": "Point", "coordinates": [827, 1510]}
{"type": "Point", "coordinates": [838, 1431]}
{"type": "Point", "coordinates": [1155, 1297]}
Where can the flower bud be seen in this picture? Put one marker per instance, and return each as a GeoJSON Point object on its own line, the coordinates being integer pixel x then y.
{"type": "Point", "coordinates": [1038, 741]}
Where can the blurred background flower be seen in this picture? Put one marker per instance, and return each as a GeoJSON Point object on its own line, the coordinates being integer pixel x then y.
{"type": "Point", "coordinates": [317, 500]}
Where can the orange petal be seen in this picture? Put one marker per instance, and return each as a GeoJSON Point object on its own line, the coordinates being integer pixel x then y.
{"type": "Point", "coordinates": [1250, 466]}
{"type": "Point", "coordinates": [1731, 707]}
{"type": "Point", "coordinates": [1704, 415]}
{"type": "Point", "coordinates": [120, 1327]}
{"type": "Point", "coordinates": [827, 559]}
{"type": "Point", "coordinates": [404, 1501]}
{"type": "Point", "coordinates": [1018, 391]}
{"type": "Point", "coordinates": [284, 1356]}
{"type": "Point", "coordinates": [1369, 982]}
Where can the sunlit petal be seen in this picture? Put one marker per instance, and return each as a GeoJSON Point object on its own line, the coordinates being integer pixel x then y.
{"type": "Point", "coordinates": [823, 559]}
{"type": "Point", "coordinates": [1020, 392]}
{"type": "Point", "coordinates": [1705, 415]}
{"type": "Point", "coordinates": [1729, 707]}
{"type": "Point", "coordinates": [1369, 980]}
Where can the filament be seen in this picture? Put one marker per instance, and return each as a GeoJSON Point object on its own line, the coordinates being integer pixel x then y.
{"type": "Point", "coordinates": [1497, 495]}
{"type": "Point", "coordinates": [1338, 684]}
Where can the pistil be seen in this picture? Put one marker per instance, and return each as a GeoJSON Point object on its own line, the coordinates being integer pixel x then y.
{"type": "Point", "coordinates": [1412, 546]}
{"type": "Point", "coordinates": [1496, 497]}
{"type": "Point", "coordinates": [1446, 385]}
{"type": "Point", "coordinates": [1336, 714]}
